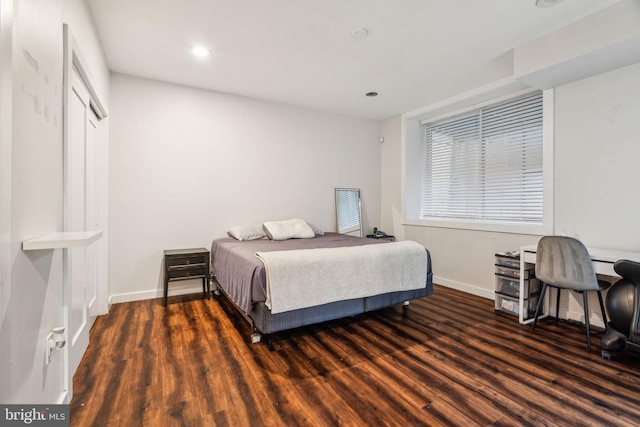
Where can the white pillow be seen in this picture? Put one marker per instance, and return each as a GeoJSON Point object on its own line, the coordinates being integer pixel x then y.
{"type": "Point", "coordinates": [288, 229]}
{"type": "Point", "coordinates": [316, 230]}
{"type": "Point", "coordinates": [247, 232]}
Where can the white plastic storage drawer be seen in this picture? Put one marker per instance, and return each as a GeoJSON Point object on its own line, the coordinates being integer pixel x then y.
{"type": "Point", "coordinates": [510, 305]}
{"type": "Point", "coordinates": [512, 261]}
{"type": "Point", "coordinates": [511, 286]}
{"type": "Point", "coordinates": [513, 272]}
{"type": "Point", "coordinates": [508, 261]}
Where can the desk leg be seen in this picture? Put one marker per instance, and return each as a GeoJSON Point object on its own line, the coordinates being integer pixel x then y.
{"type": "Point", "coordinates": [521, 307]}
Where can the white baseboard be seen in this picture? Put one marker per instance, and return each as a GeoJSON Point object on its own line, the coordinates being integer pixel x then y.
{"type": "Point", "coordinates": [174, 289]}
{"type": "Point", "coordinates": [187, 288]}
{"type": "Point", "coordinates": [465, 287]}
{"type": "Point", "coordinates": [594, 318]}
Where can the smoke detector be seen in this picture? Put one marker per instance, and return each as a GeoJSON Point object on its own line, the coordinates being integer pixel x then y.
{"type": "Point", "coordinates": [359, 33]}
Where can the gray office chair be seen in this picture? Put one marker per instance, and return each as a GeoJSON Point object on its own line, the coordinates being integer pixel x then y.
{"type": "Point", "coordinates": [564, 263]}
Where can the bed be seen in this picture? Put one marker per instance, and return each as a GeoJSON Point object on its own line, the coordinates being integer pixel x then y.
{"type": "Point", "coordinates": [243, 271]}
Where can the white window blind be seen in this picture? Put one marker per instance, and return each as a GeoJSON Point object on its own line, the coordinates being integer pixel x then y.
{"type": "Point", "coordinates": [486, 164]}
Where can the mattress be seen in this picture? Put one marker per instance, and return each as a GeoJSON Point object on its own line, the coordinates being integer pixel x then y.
{"type": "Point", "coordinates": [242, 275]}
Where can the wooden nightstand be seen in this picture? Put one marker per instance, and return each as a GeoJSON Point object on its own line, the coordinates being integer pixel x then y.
{"type": "Point", "coordinates": [385, 237]}
{"type": "Point", "coordinates": [186, 264]}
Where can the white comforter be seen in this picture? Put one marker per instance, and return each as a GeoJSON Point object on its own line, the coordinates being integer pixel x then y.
{"type": "Point", "coordinates": [305, 278]}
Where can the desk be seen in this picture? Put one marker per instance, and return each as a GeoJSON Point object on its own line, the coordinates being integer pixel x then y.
{"type": "Point", "coordinates": [603, 260]}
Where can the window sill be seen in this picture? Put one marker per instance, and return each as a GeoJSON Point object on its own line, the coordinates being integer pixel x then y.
{"type": "Point", "coordinates": [496, 227]}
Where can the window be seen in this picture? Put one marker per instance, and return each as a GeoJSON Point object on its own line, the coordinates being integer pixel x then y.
{"type": "Point", "coordinates": [486, 164]}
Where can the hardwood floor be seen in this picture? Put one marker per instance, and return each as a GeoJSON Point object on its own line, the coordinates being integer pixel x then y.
{"type": "Point", "coordinates": [447, 360]}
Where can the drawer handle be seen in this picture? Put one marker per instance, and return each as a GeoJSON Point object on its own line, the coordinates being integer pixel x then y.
{"type": "Point", "coordinates": [188, 274]}
{"type": "Point", "coordinates": [188, 262]}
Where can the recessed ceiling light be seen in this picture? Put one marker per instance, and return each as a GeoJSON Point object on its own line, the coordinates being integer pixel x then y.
{"type": "Point", "coordinates": [200, 51]}
{"type": "Point", "coordinates": [359, 33]}
{"type": "Point", "coordinates": [372, 94]}
{"type": "Point", "coordinates": [547, 3]}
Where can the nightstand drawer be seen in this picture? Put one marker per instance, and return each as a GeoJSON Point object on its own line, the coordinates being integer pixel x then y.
{"type": "Point", "coordinates": [186, 260]}
{"type": "Point", "coordinates": [181, 273]}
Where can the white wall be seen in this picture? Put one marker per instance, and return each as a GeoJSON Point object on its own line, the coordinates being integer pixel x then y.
{"type": "Point", "coordinates": [596, 181]}
{"type": "Point", "coordinates": [188, 164]}
{"type": "Point", "coordinates": [597, 152]}
{"type": "Point", "coordinates": [31, 282]}
{"type": "Point", "coordinates": [597, 174]}
{"type": "Point", "coordinates": [36, 285]}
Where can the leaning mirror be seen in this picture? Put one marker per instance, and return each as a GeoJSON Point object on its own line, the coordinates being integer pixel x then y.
{"type": "Point", "coordinates": [348, 215]}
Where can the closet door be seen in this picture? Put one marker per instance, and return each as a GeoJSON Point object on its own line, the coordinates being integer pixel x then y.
{"type": "Point", "coordinates": [85, 278]}
{"type": "Point", "coordinates": [79, 205]}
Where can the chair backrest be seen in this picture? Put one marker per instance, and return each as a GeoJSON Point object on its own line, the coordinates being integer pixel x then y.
{"type": "Point", "coordinates": [628, 269]}
{"type": "Point", "coordinates": [564, 262]}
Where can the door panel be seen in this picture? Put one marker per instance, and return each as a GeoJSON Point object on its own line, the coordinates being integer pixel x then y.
{"type": "Point", "coordinates": [79, 207]}
{"type": "Point", "coordinates": [91, 210]}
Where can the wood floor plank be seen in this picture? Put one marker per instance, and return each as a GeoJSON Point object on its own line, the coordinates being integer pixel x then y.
{"type": "Point", "coordinates": [449, 359]}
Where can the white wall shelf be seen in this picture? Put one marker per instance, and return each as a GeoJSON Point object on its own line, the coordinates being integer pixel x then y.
{"type": "Point", "coordinates": [65, 239]}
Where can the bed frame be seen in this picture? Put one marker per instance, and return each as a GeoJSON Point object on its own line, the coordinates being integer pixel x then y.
{"type": "Point", "coordinates": [264, 322]}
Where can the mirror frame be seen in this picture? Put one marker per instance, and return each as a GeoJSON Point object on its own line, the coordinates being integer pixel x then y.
{"type": "Point", "coordinates": [352, 230]}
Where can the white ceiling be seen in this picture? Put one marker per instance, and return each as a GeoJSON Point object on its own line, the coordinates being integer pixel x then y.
{"type": "Point", "coordinates": [301, 52]}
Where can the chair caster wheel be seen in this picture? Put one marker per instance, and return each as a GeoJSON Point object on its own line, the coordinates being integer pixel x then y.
{"type": "Point", "coordinates": [605, 354]}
